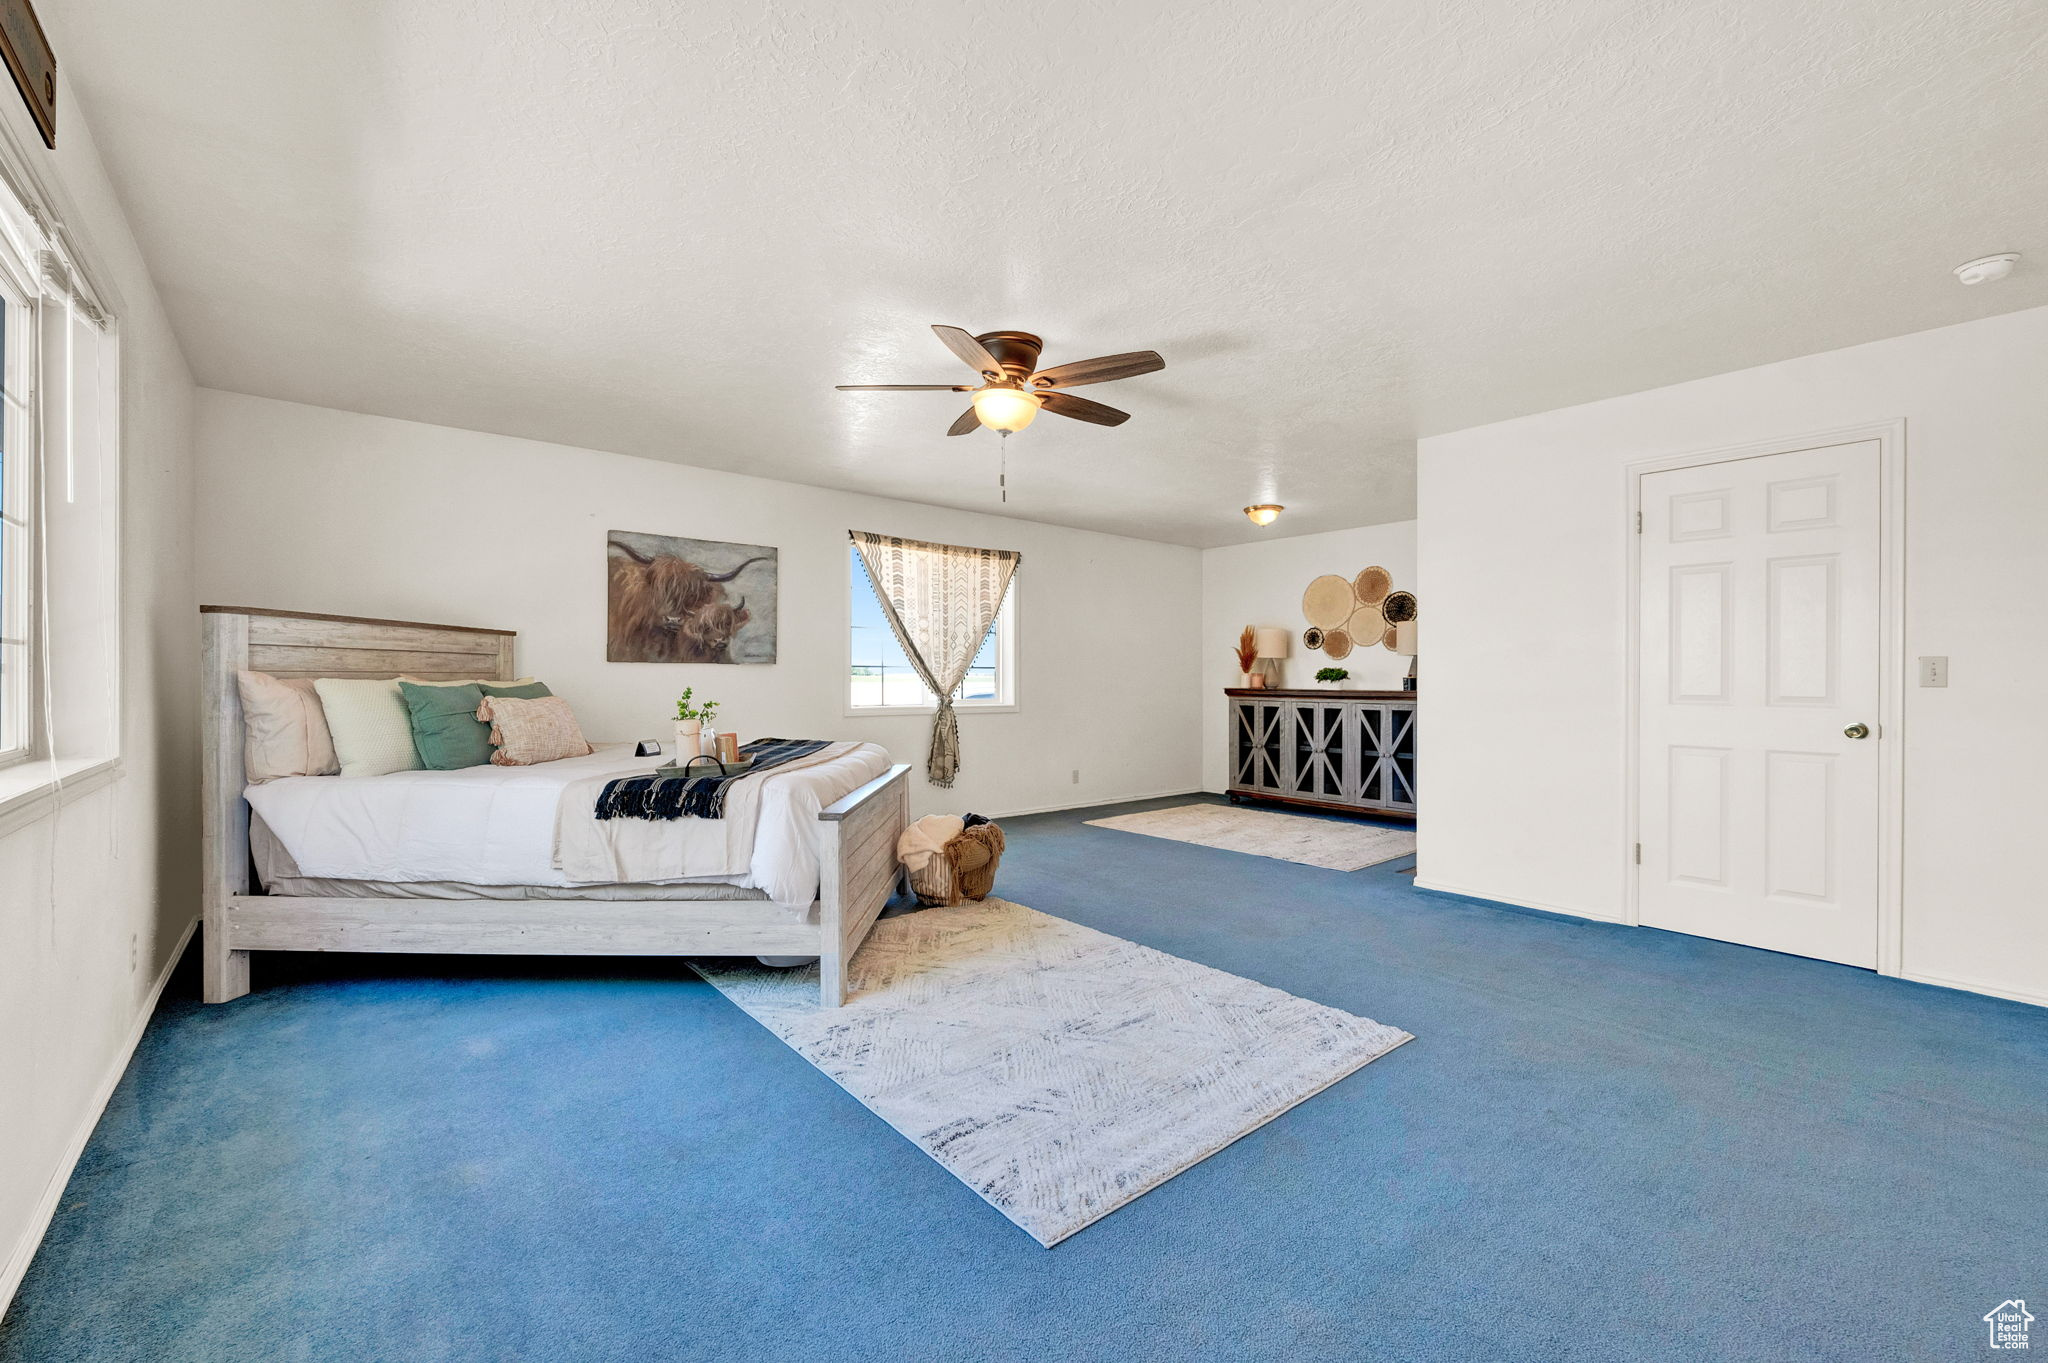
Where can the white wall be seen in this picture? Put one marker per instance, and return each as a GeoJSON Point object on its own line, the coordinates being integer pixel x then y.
{"type": "Point", "coordinates": [1523, 546]}
{"type": "Point", "coordinates": [95, 898]}
{"type": "Point", "coordinates": [1260, 583]}
{"type": "Point", "coordinates": [314, 509]}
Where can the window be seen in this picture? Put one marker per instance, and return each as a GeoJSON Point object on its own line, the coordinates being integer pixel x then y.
{"type": "Point", "coordinates": [60, 388]}
{"type": "Point", "coordinates": [18, 519]}
{"type": "Point", "coordinates": [879, 677]}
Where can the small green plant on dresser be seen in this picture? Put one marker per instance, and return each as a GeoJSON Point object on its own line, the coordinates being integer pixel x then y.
{"type": "Point", "coordinates": [1332, 675]}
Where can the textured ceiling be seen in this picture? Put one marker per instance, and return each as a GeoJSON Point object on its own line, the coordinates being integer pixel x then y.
{"type": "Point", "coordinates": [668, 230]}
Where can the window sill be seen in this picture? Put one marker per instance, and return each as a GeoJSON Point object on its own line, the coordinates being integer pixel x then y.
{"type": "Point", "coordinates": [885, 711]}
{"type": "Point", "coordinates": [30, 791]}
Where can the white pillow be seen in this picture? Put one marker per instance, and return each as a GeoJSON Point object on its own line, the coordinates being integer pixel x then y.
{"type": "Point", "coordinates": [372, 728]}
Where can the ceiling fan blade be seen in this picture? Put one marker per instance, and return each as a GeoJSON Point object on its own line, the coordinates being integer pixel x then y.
{"type": "Point", "coordinates": [970, 420]}
{"type": "Point", "coordinates": [1083, 409]}
{"type": "Point", "coordinates": [967, 348]}
{"type": "Point", "coordinates": [904, 387]}
{"type": "Point", "coordinates": [1099, 370]}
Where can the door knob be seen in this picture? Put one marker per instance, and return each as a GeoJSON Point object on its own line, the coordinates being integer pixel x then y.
{"type": "Point", "coordinates": [1857, 731]}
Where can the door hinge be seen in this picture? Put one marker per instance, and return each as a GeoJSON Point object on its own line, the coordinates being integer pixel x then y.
{"type": "Point", "coordinates": [1639, 854]}
{"type": "Point", "coordinates": [1639, 522]}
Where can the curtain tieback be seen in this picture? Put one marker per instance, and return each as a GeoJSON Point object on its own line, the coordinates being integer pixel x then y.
{"type": "Point", "coordinates": [944, 758]}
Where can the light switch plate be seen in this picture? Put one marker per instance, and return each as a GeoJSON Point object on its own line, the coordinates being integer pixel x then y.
{"type": "Point", "coordinates": [1934, 672]}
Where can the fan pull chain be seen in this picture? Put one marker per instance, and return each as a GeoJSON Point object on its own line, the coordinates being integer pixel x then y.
{"type": "Point", "coordinates": [1003, 477]}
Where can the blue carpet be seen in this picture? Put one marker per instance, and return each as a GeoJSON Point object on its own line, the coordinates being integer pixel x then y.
{"type": "Point", "coordinates": [1605, 1144]}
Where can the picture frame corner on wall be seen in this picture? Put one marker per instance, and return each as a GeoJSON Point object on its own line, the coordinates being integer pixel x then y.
{"type": "Point", "coordinates": [676, 599]}
{"type": "Point", "coordinates": [32, 63]}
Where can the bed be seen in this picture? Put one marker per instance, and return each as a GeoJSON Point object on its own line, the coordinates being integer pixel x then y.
{"type": "Point", "coordinates": [851, 839]}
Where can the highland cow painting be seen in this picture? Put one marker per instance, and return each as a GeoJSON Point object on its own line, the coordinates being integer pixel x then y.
{"type": "Point", "coordinates": [689, 601]}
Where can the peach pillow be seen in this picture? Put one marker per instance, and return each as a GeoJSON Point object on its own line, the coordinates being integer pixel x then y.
{"type": "Point", "coordinates": [525, 732]}
{"type": "Point", "coordinates": [284, 728]}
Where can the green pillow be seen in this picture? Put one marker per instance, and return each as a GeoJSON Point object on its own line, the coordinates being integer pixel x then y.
{"type": "Point", "coordinates": [445, 729]}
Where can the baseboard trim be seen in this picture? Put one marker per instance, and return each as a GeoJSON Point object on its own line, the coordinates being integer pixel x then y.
{"type": "Point", "coordinates": [60, 1178]}
{"type": "Point", "coordinates": [1996, 991]}
{"type": "Point", "coordinates": [1539, 905]}
{"type": "Point", "coordinates": [1098, 804]}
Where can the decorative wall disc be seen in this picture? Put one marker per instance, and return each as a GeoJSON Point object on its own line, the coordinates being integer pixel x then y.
{"type": "Point", "coordinates": [1336, 642]}
{"type": "Point", "coordinates": [1312, 637]}
{"type": "Point", "coordinates": [1328, 602]}
{"type": "Point", "coordinates": [1387, 639]}
{"type": "Point", "coordinates": [1365, 625]}
{"type": "Point", "coordinates": [1400, 606]}
{"type": "Point", "coordinates": [1372, 585]}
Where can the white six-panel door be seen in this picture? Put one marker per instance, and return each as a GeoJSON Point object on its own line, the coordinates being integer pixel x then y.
{"type": "Point", "coordinates": [1757, 805]}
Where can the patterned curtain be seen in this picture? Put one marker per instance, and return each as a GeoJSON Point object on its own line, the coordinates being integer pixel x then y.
{"type": "Point", "coordinates": [940, 600]}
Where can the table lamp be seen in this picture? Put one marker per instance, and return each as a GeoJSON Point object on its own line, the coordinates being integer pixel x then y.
{"type": "Point", "coordinates": [1404, 642]}
{"type": "Point", "coordinates": [1272, 646]}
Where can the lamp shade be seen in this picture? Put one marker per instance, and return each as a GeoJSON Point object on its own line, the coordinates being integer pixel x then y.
{"type": "Point", "coordinates": [1404, 638]}
{"type": "Point", "coordinates": [1005, 409]}
{"type": "Point", "coordinates": [1272, 642]}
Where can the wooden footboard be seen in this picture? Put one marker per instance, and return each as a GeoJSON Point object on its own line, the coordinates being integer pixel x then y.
{"type": "Point", "coordinates": [857, 871]}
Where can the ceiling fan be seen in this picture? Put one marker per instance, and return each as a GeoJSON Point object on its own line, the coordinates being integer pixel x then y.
{"type": "Point", "coordinates": [1013, 388]}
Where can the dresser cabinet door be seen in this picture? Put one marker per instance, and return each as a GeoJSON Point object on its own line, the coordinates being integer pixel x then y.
{"type": "Point", "coordinates": [1386, 756]}
{"type": "Point", "coordinates": [1322, 748]}
{"type": "Point", "coordinates": [1257, 745]}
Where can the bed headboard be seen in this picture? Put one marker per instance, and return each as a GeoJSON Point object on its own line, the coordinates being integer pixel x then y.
{"type": "Point", "coordinates": [300, 644]}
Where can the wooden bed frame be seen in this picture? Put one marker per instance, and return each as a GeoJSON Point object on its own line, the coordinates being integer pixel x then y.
{"type": "Point", "coordinates": [857, 846]}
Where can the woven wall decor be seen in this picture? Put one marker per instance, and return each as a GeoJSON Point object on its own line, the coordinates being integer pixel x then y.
{"type": "Point", "coordinates": [1358, 613]}
{"type": "Point", "coordinates": [1399, 608]}
{"type": "Point", "coordinates": [1328, 601]}
{"type": "Point", "coordinates": [1372, 585]}
{"type": "Point", "coordinates": [1365, 626]}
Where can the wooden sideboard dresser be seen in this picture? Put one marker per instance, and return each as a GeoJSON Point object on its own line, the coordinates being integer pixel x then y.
{"type": "Point", "coordinates": [1330, 749]}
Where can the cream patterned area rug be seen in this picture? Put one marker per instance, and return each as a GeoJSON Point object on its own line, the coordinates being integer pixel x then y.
{"type": "Point", "coordinates": [1056, 1070]}
{"type": "Point", "coordinates": [1329, 843]}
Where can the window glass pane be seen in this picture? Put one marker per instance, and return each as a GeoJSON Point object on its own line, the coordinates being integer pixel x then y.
{"type": "Point", "coordinates": [14, 682]}
{"type": "Point", "coordinates": [881, 675]}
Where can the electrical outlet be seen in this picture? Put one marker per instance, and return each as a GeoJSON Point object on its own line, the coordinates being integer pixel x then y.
{"type": "Point", "coordinates": [1077, 776]}
{"type": "Point", "coordinates": [1934, 672]}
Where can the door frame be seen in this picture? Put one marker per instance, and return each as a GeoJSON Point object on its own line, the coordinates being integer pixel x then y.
{"type": "Point", "coordinates": [1892, 675]}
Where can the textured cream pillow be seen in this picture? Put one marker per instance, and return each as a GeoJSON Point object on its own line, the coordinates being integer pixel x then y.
{"type": "Point", "coordinates": [528, 731]}
{"type": "Point", "coordinates": [371, 726]}
{"type": "Point", "coordinates": [284, 729]}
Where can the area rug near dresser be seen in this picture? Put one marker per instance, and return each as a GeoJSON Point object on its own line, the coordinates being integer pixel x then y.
{"type": "Point", "coordinates": [1330, 843]}
{"type": "Point", "coordinates": [1057, 1071]}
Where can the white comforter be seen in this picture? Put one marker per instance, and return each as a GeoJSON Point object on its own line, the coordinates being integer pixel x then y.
{"type": "Point", "coordinates": [533, 825]}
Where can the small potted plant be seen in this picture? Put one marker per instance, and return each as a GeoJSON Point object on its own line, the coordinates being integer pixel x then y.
{"type": "Point", "coordinates": [1333, 676]}
{"type": "Point", "coordinates": [691, 722]}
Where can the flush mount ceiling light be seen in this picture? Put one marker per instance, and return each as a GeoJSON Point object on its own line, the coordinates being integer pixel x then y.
{"type": "Point", "coordinates": [1005, 409]}
{"type": "Point", "coordinates": [1014, 388]}
{"type": "Point", "coordinates": [1987, 269]}
{"type": "Point", "coordinates": [1265, 513]}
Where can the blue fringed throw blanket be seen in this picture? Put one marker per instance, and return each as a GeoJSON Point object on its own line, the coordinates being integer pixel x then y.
{"type": "Point", "coordinates": [695, 797]}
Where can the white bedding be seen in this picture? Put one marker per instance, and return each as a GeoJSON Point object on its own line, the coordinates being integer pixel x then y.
{"type": "Point", "coordinates": [499, 825]}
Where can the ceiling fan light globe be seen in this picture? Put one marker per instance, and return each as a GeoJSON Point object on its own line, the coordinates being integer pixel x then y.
{"type": "Point", "coordinates": [1005, 409]}
{"type": "Point", "coordinates": [1264, 514]}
